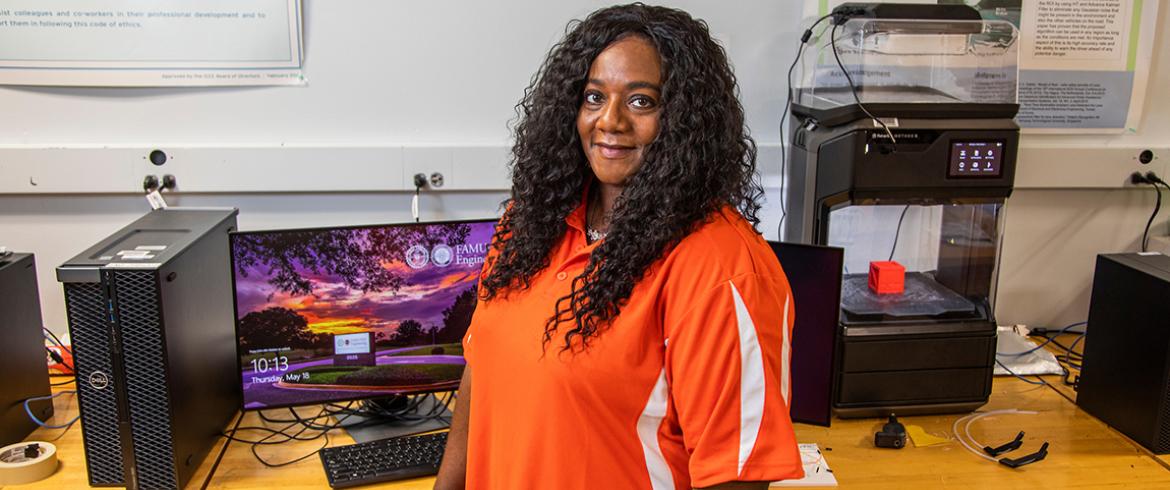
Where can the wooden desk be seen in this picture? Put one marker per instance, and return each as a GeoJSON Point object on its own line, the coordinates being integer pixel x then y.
{"type": "Point", "coordinates": [71, 472]}
{"type": "Point", "coordinates": [1071, 393]}
{"type": "Point", "coordinates": [1083, 452]}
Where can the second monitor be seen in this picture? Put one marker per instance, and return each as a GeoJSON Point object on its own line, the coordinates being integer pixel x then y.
{"type": "Point", "coordinates": [336, 314]}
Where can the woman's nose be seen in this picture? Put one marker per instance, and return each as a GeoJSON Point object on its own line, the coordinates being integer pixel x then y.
{"type": "Point", "coordinates": [612, 117]}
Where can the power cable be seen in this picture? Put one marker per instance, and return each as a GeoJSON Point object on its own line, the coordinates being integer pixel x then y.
{"type": "Point", "coordinates": [33, 417]}
{"type": "Point", "coordinates": [784, 119]}
{"type": "Point", "coordinates": [295, 428]}
{"type": "Point", "coordinates": [853, 87]}
{"type": "Point", "coordinates": [1048, 340]}
{"type": "Point", "coordinates": [1021, 377]}
{"type": "Point", "coordinates": [898, 231]}
{"type": "Point", "coordinates": [1157, 207]}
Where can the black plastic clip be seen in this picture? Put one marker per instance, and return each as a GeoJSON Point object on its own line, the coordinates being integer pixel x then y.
{"type": "Point", "coordinates": [1010, 446]}
{"type": "Point", "coordinates": [1029, 459]}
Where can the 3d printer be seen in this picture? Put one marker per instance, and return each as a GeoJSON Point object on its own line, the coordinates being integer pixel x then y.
{"type": "Point", "coordinates": [903, 151]}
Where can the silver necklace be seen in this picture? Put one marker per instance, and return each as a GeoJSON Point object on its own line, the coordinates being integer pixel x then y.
{"type": "Point", "coordinates": [595, 235]}
{"type": "Point", "coordinates": [591, 233]}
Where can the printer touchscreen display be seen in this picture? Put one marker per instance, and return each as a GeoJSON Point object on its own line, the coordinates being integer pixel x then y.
{"type": "Point", "coordinates": [976, 159]}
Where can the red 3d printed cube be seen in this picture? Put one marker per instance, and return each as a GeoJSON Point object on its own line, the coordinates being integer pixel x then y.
{"type": "Point", "coordinates": [887, 277]}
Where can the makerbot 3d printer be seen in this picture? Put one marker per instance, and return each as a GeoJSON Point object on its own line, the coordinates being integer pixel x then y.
{"type": "Point", "coordinates": [903, 152]}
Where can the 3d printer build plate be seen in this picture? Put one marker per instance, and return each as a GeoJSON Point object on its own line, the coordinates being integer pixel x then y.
{"type": "Point", "coordinates": [922, 297]}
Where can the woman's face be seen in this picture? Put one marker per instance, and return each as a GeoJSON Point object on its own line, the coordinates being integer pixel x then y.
{"type": "Point", "coordinates": [619, 113]}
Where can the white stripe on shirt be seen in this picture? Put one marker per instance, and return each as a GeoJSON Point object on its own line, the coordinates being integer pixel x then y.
{"type": "Point", "coordinates": [751, 381]}
{"type": "Point", "coordinates": [785, 355]}
{"type": "Point", "coordinates": [648, 423]}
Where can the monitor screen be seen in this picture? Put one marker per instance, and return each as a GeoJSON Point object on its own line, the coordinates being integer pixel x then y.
{"type": "Point", "coordinates": [976, 159]}
{"type": "Point", "coordinates": [332, 314]}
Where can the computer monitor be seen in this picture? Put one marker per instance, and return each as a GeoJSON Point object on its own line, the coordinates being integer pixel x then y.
{"type": "Point", "coordinates": [22, 353]}
{"type": "Point", "coordinates": [338, 314]}
{"type": "Point", "coordinates": [814, 274]}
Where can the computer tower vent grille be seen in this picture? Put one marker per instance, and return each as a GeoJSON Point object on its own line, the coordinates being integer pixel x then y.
{"type": "Point", "coordinates": [90, 331]}
{"type": "Point", "coordinates": [146, 378]}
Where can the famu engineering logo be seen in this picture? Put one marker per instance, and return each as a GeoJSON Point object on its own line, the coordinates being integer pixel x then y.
{"type": "Point", "coordinates": [442, 255]}
{"type": "Point", "coordinates": [417, 256]}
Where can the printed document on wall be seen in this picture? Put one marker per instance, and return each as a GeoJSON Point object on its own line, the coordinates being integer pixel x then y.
{"type": "Point", "coordinates": [150, 43]}
{"type": "Point", "coordinates": [1084, 64]}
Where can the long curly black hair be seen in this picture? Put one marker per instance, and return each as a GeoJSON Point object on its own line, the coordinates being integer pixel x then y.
{"type": "Point", "coordinates": [703, 159]}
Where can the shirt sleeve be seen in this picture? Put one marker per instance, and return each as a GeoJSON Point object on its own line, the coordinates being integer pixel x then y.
{"type": "Point", "coordinates": [727, 361]}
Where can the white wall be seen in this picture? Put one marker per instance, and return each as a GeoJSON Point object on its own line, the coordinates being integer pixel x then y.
{"type": "Point", "coordinates": [381, 73]}
{"type": "Point", "coordinates": [1051, 242]}
{"type": "Point", "coordinates": [57, 227]}
{"type": "Point", "coordinates": [446, 75]}
{"type": "Point", "coordinates": [420, 77]}
{"type": "Point", "coordinates": [1053, 235]}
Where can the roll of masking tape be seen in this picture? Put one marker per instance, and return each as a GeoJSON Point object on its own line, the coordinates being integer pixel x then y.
{"type": "Point", "coordinates": [27, 462]}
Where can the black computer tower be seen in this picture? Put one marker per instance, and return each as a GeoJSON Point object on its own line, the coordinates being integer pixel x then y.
{"type": "Point", "coordinates": [151, 317]}
{"type": "Point", "coordinates": [1125, 376]}
{"type": "Point", "coordinates": [22, 351]}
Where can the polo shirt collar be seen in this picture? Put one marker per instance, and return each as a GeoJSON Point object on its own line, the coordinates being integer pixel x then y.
{"type": "Point", "coordinates": [576, 219]}
{"type": "Point", "coordinates": [576, 223]}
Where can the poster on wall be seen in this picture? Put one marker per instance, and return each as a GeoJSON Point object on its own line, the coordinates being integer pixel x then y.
{"type": "Point", "coordinates": [150, 43]}
{"type": "Point", "coordinates": [1084, 64]}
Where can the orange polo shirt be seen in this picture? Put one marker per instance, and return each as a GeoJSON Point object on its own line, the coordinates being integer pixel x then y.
{"type": "Point", "coordinates": [688, 387]}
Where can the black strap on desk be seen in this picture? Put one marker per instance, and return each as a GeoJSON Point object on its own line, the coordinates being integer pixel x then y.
{"type": "Point", "coordinates": [1029, 459]}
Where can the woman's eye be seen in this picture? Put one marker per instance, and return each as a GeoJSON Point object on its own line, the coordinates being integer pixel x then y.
{"type": "Point", "coordinates": [592, 98]}
{"type": "Point", "coordinates": [642, 102]}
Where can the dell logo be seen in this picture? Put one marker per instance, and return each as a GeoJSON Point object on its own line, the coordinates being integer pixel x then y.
{"type": "Point", "coordinates": [98, 380]}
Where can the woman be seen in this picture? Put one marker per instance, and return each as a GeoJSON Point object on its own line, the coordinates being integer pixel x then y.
{"type": "Point", "coordinates": [632, 325]}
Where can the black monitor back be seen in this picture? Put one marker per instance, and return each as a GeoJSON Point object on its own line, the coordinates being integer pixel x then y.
{"type": "Point", "coordinates": [22, 352]}
{"type": "Point", "coordinates": [814, 274]}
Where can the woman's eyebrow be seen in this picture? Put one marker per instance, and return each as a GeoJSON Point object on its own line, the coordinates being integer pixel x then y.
{"type": "Point", "coordinates": [631, 85]}
{"type": "Point", "coordinates": [637, 85]}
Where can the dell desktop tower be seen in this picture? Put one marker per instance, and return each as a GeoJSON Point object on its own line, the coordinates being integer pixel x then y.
{"type": "Point", "coordinates": [22, 351]}
{"type": "Point", "coordinates": [1125, 376]}
{"type": "Point", "coordinates": [151, 317]}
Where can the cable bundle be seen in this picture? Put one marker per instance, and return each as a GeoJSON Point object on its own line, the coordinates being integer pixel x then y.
{"type": "Point", "coordinates": [318, 426]}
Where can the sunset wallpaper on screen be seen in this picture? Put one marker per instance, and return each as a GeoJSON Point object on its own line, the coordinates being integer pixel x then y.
{"type": "Point", "coordinates": [411, 288]}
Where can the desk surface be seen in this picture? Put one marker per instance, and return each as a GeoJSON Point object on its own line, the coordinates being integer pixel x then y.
{"type": "Point", "coordinates": [1083, 452]}
{"type": "Point", "coordinates": [1070, 392]}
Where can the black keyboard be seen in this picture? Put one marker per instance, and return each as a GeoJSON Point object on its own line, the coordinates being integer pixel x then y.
{"type": "Point", "coordinates": [396, 458]}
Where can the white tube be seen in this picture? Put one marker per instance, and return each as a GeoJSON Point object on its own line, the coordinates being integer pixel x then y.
{"type": "Point", "coordinates": [955, 430]}
{"type": "Point", "coordinates": [970, 419]}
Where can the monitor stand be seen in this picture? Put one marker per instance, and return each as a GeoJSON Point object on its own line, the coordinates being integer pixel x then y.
{"type": "Point", "coordinates": [416, 421]}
